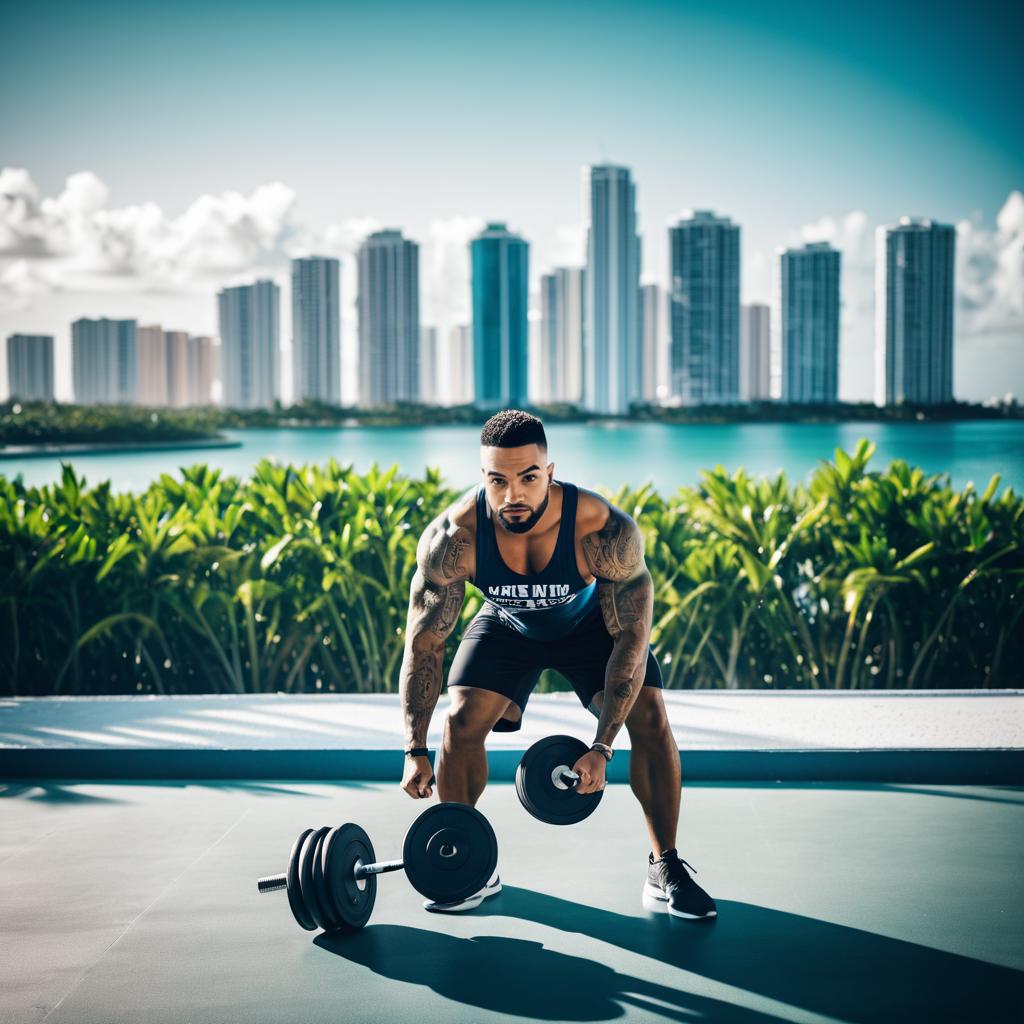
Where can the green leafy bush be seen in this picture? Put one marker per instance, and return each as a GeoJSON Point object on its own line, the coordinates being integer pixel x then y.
{"type": "Point", "coordinates": [297, 580]}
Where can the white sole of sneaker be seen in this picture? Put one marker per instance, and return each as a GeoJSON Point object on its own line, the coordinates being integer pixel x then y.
{"type": "Point", "coordinates": [656, 901]}
{"type": "Point", "coordinates": [470, 903]}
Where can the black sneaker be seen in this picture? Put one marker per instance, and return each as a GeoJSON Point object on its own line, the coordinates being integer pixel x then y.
{"type": "Point", "coordinates": [669, 889]}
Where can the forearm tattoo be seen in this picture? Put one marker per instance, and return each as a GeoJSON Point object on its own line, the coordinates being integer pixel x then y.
{"type": "Point", "coordinates": [433, 611]}
{"type": "Point", "coordinates": [420, 686]}
{"type": "Point", "coordinates": [626, 592]}
{"type": "Point", "coordinates": [624, 677]}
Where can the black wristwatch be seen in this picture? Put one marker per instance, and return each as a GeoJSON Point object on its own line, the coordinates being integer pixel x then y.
{"type": "Point", "coordinates": [604, 749]}
{"type": "Point", "coordinates": [418, 752]}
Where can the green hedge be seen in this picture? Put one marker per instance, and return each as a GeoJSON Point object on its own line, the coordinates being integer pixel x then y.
{"type": "Point", "coordinates": [297, 579]}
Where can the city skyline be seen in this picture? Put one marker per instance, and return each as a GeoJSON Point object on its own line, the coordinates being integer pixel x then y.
{"type": "Point", "coordinates": [256, 156]}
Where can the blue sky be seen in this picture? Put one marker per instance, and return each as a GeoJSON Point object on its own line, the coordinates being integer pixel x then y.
{"type": "Point", "coordinates": [782, 116]}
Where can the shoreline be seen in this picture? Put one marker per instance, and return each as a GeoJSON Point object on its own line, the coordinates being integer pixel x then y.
{"type": "Point", "coordinates": [30, 451]}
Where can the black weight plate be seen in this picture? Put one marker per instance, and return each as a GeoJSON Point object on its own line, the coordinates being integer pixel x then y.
{"type": "Point", "coordinates": [537, 791]}
{"type": "Point", "coordinates": [328, 920]}
{"type": "Point", "coordinates": [351, 900]}
{"type": "Point", "coordinates": [295, 900]}
{"type": "Point", "coordinates": [450, 852]}
{"type": "Point", "coordinates": [309, 893]}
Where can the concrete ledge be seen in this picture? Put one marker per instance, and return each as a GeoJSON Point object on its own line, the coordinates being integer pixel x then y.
{"type": "Point", "coordinates": [938, 766]}
{"type": "Point", "coordinates": [939, 736]}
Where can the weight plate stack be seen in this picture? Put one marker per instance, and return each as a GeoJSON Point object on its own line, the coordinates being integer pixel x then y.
{"type": "Point", "coordinates": [536, 787]}
{"type": "Point", "coordinates": [350, 898]}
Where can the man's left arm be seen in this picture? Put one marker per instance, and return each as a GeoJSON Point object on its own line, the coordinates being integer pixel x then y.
{"type": "Point", "coordinates": [615, 554]}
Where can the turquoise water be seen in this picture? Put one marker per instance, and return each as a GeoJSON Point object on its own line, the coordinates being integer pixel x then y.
{"type": "Point", "coordinates": [590, 454]}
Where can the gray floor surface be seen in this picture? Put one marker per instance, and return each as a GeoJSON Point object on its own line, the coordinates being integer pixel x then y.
{"type": "Point", "coordinates": [837, 902]}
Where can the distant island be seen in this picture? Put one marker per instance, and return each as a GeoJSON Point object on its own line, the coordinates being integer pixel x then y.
{"type": "Point", "coordinates": [41, 425]}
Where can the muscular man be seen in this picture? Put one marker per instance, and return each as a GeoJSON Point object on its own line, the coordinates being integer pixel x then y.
{"type": "Point", "coordinates": [566, 587]}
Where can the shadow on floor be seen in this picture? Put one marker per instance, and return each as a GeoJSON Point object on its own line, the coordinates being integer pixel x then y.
{"type": "Point", "coordinates": [522, 978]}
{"type": "Point", "coordinates": [815, 965]}
{"type": "Point", "coordinates": [819, 966]}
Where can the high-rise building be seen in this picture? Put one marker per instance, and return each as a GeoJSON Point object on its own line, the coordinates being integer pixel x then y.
{"type": "Point", "coordinates": [562, 309]}
{"type": "Point", "coordinates": [316, 329]}
{"type": "Point", "coordinates": [249, 317]}
{"type": "Point", "coordinates": [151, 356]}
{"type": "Point", "coordinates": [430, 375]}
{"type": "Point", "coordinates": [202, 368]}
{"type": "Point", "coordinates": [178, 392]}
{"type": "Point", "coordinates": [460, 365]}
{"type": "Point", "coordinates": [705, 309]}
{"type": "Point", "coordinates": [755, 353]}
{"type": "Point", "coordinates": [500, 262]}
{"type": "Point", "coordinates": [808, 291]}
{"type": "Point", "coordinates": [612, 355]}
{"type": "Point", "coordinates": [104, 368]}
{"type": "Point", "coordinates": [30, 367]}
{"type": "Point", "coordinates": [914, 291]}
{"type": "Point", "coordinates": [652, 335]}
{"type": "Point", "coordinates": [389, 319]}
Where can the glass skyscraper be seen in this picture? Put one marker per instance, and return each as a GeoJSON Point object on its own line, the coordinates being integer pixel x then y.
{"type": "Point", "coordinates": [500, 268]}
{"type": "Point", "coordinates": [389, 319]}
{"type": "Point", "coordinates": [755, 353]}
{"type": "Point", "coordinates": [460, 365]}
{"type": "Point", "coordinates": [316, 329]}
{"type": "Point", "coordinates": [809, 322]}
{"type": "Point", "coordinates": [30, 366]}
{"type": "Point", "coordinates": [612, 354]}
{"type": "Point", "coordinates": [562, 294]}
{"type": "Point", "coordinates": [704, 256]}
{"type": "Point", "coordinates": [250, 320]}
{"type": "Point", "coordinates": [103, 361]}
{"type": "Point", "coordinates": [914, 290]}
{"type": "Point", "coordinates": [652, 321]}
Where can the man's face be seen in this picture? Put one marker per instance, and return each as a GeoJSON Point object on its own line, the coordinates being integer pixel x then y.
{"type": "Point", "coordinates": [516, 482]}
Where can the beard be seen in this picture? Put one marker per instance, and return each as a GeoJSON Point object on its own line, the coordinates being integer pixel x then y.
{"type": "Point", "coordinates": [527, 524]}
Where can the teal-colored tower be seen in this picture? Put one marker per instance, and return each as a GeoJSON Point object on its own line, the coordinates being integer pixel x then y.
{"type": "Point", "coordinates": [500, 262]}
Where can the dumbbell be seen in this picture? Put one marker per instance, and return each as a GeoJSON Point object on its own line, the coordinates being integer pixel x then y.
{"type": "Point", "coordinates": [546, 783]}
{"type": "Point", "coordinates": [449, 853]}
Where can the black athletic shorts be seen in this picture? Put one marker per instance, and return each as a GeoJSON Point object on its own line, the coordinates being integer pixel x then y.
{"type": "Point", "coordinates": [493, 656]}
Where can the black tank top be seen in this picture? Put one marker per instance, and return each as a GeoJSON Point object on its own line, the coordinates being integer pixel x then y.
{"type": "Point", "coordinates": [544, 605]}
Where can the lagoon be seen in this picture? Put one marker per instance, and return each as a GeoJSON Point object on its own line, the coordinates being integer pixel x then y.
{"type": "Point", "coordinates": [598, 454]}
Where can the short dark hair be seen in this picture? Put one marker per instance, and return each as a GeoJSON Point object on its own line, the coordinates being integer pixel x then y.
{"type": "Point", "coordinates": [511, 428]}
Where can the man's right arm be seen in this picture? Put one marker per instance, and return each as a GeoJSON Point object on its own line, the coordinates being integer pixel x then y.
{"type": "Point", "coordinates": [435, 601]}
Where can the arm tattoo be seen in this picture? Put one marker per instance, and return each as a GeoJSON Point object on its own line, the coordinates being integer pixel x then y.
{"type": "Point", "coordinates": [625, 589]}
{"type": "Point", "coordinates": [627, 603]}
{"type": "Point", "coordinates": [420, 687]}
{"type": "Point", "coordinates": [616, 551]}
{"type": "Point", "coordinates": [450, 557]}
{"type": "Point", "coordinates": [433, 611]}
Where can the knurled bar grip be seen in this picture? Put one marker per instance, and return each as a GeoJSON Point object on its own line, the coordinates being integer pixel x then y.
{"type": "Point", "coordinates": [272, 883]}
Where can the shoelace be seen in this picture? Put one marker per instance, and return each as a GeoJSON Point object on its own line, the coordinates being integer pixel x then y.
{"type": "Point", "coordinates": [674, 872]}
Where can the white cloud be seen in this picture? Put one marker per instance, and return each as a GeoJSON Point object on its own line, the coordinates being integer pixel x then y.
{"type": "Point", "coordinates": [80, 243]}
{"type": "Point", "coordinates": [445, 271]}
{"type": "Point", "coordinates": [570, 246]}
{"type": "Point", "coordinates": [990, 271]}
